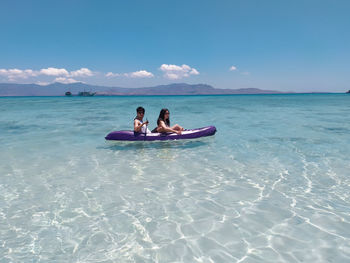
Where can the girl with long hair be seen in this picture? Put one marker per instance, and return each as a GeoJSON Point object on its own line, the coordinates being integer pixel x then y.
{"type": "Point", "coordinates": [163, 123]}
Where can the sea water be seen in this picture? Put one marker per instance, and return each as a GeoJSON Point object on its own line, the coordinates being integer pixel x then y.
{"type": "Point", "coordinates": [272, 185]}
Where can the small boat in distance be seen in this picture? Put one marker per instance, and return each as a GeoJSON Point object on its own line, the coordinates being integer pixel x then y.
{"type": "Point", "coordinates": [348, 91]}
{"type": "Point", "coordinates": [68, 93]}
{"type": "Point", "coordinates": [86, 93]}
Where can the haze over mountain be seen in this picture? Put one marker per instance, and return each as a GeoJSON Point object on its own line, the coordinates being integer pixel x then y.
{"type": "Point", "coordinates": [59, 89]}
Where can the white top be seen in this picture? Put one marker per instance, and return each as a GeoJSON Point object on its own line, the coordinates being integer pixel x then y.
{"type": "Point", "coordinates": [144, 129]}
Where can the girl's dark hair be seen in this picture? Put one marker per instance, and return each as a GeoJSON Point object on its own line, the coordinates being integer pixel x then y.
{"type": "Point", "coordinates": [161, 117]}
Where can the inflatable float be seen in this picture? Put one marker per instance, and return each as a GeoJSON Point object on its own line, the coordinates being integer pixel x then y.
{"type": "Point", "coordinates": [186, 134]}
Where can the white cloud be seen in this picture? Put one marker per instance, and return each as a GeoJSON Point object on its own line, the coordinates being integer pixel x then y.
{"type": "Point", "coordinates": [140, 74]}
{"type": "Point", "coordinates": [51, 74]}
{"type": "Point", "coordinates": [194, 72]}
{"type": "Point", "coordinates": [136, 74]}
{"type": "Point", "coordinates": [31, 73]}
{"type": "Point", "coordinates": [65, 80]}
{"type": "Point", "coordinates": [233, 68]}
{"type": "Point", "coordinates": [112, 75]}
{"type": "Point", "coordinates": [166, 67]}
{"type": "Point", "coordinates": [54, 72]}
{"type": "Point", "coordinates": [16, 74]}
{"type": "Point", "coordinates": [177, 72]}
{"type": "Point", "coordinates": [15, 71]}
{"type": "Point", "coordinates": [172, 76]}
{"type": "Point", "coordinates": [13, 74]}
{"type": "Point", "coordinates": [83, 72]}
{"type": "Point", "coordinates": [42, 83]}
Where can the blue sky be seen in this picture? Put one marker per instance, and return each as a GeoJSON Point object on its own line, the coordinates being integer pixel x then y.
{"type": "Point", "coordinates": [301, 45]}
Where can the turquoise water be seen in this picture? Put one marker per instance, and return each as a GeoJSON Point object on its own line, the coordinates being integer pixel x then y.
{"type": "Point", "coordinates": [272, 185]}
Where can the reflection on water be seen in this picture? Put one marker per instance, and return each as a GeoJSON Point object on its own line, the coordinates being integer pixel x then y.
{"type": "Point", "coordinates": [271, 186]}
{"type": "Point", "coordinates": [157, 145]}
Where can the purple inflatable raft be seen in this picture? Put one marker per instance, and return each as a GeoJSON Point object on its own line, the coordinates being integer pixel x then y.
{"type": "Point", "coordinates": [186, 134]}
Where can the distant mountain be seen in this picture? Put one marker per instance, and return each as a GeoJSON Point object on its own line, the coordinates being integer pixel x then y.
{"type": "Point", "coordinates": [55, 89]}
{"type": "Point", "coordinates": [59, 89]}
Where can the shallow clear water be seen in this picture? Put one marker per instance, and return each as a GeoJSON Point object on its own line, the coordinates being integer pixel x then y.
{"type": "Point", "coordinates": [271, 186]}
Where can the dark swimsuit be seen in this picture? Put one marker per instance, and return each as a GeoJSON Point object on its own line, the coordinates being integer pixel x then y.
{"type": "Point", "coordinates": [155, 129]}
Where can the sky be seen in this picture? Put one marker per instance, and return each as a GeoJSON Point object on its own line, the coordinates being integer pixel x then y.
{"type": "Point", "coordinates": [299, 45]}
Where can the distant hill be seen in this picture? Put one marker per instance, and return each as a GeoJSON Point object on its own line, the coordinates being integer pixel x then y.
{"type": "Point", "coordinates": [55, 89]}
{"type": "Point", "coordinates": [59, 89]}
